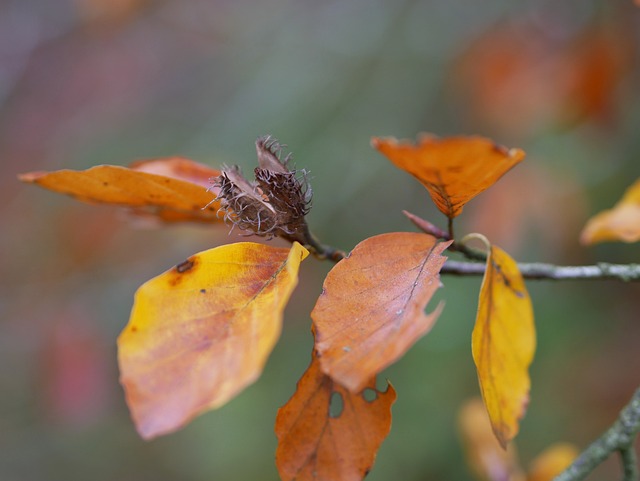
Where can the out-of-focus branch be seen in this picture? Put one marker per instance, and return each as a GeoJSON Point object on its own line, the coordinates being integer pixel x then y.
{"type": "Point", "coordinates": [619, 437]}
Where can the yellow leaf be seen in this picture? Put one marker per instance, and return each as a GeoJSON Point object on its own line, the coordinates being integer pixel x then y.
{"type": "Point", "coordinates": [552, 461]}
{"type": "Point", "coordinates": [622, 223]}
{"type": "Point", "coordinates": [202, 331]}
{"type": "Point", "coordinates": [503, 344]}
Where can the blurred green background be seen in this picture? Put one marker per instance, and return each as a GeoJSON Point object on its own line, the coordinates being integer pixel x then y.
{"type": "Point", "coordinates": [86, 82]}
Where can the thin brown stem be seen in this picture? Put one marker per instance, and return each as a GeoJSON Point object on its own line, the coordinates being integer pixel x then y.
{"type": "Point", "coordinates": [319, 250]}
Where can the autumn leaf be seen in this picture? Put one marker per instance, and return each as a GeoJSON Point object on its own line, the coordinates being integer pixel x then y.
{"type": "Point", "coordinates": [326, 433]}
{"type": "Point", "coordinates": [171, 189]}
{"type": "Point", "coordinates": [455, 169]}
{"type": "Point", "coordinates": [202, 331]}
{"type": "Point", "coordinates": [566, 80]}
{"type": "Point", "coordinates": [485, 457]}
{"type": "Point", "coordinates": [503, 344]}
{"type": "Point", "coordinates": [552, 461]}
{"type": "Point", "coordinates": [489, 462]}
{"type": "Point", "coordinates": [371, 310]}
{"type": "Point", "coordinates": [622, 223]}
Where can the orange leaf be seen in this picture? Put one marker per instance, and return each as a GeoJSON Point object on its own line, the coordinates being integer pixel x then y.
{"type": "Point", "coordinates": [503, 344]}
{"type": "Point", "coordinates": [622, 223]}
{"type": "Point", "coordinates": [320, 438]}
{"type": "Point", "coordinates": [485, 457]}
{"type": "Point", "coordinates": [173, 189]}
{"type": "Point", "coordinates": [371, 310]}
{"type": "Point", "coordinates": [552, 461]}
{"type": "Point", "coordinates": [454, 170]}
{"type": "Point", "coordinates": [202, 331]}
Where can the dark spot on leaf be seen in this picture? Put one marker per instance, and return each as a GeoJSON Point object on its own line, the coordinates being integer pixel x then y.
{"type": "Point", "coordinates": [501, 149]}
{"type": "Point", "coordinates": [105, 183]}
{"type": "Point", "coordinates": [134, 329]}
{"type": "Point", "coordinates": [369, 394]}
{"type": "Point", "coordinates": [202, 291]}
{"type": "Point", "coordinates": [184, 266]}
{"type": "Point", "coordinates": [181, 268]}
{"type": "Point", "coordinates": [336, 405]}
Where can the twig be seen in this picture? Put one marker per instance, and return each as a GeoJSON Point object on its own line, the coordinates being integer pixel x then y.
{"type": "Point", "coordinates": [431, 229]}
{"type": "Point", "coordinates": [540, 271]}
{"type": "Point", "coordinates": [533, 270]}
{"type": "Point", "coordinates": [619, 437]}
{"type": "Point", "coordinates": [537, 270]}
{"type": "Point", "coordinates": [319, 250]}
{"type": "Point", "coordinates": [629, 463]}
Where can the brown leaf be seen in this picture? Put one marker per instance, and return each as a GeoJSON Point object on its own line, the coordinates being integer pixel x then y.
{"type": "Point", "coordinates": [455, 169]}
{"type": "Point", "coordinates": [201, 332]}
{"type": "Point", "coordinates": [323, 439]}
{"type": "Point", "coordinates": [503, 344]}
{"type": "Point", "coordinates": [172, 189]}
{"type": "Point", "coordinates": [622, 223]}
{"type": "Point", "coordinates": [371, 310]}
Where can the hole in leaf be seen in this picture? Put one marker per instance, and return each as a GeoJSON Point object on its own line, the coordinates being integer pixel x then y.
{"type": "Point", "coordinates": [369, 395]}
{"type": "Point", "coordinates": [336, 405]}
{"type": "Point", "coordinates": [382, 385]}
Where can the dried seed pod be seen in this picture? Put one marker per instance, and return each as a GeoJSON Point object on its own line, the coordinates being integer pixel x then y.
{"type": "Point", "coordinates": [275, 204]}
{"type": "Point", "coordinates": [269, 152]}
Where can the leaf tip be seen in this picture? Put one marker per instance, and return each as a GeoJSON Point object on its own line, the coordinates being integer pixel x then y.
{"type": "Point", "coordinates": [301, 250]}
{"type": "Point", "coordinates": [30, 177]}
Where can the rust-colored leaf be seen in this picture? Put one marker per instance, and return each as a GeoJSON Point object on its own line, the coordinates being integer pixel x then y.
{"type": "Point", "coordinates": [326, 433]}
{"type": "Point", "coordinates": [503, 344]}
{"type": "Point", "coordinates": [371, 310]}
{"type": "Point", "coordinates": [552, 461]}
{"type": "Point", "coordinates": [172, 189]}
{"type": "Point", "coordinates": [566, 80]}
{"type": "Point", "coordinates": [202, 331]}
{"type": "Point", "coordinates": [485, 457]}
{"type": "Point", "coordinates": [622, 223]}
{"type": "Point", "coordinates": [455, 169]}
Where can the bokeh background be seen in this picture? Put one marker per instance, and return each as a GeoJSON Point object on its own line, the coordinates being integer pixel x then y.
{"type": "Point", "coordinates": [85, 82]}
